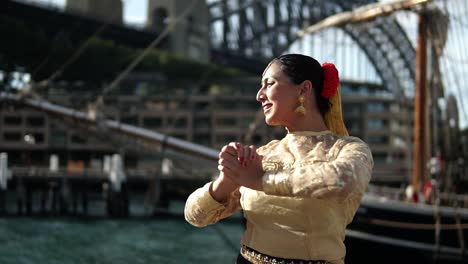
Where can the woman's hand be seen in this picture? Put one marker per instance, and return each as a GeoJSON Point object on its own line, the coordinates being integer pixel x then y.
{"type": "Point", "coordinates": [242, 165]}
{"type": "Point", "coordinates": [222, 187]}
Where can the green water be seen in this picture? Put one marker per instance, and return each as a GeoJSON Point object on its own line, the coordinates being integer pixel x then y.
{"type": "Point", "coordinates": [144, 240]}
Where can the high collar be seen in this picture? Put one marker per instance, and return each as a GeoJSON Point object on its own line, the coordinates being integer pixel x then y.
{"type": "Point", "coordinates": [309, 133]}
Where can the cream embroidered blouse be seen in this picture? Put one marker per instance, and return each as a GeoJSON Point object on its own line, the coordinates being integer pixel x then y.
{"type": "Point", "coordinates": [313, 185]}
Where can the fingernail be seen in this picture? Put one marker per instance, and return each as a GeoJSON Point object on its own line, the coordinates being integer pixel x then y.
{"type": "Point", "coordinates": [241, 159]}
{"type": "Point", "coordinates": [245, 164]}
{"type": "Point", "coordinates": [252, 157]}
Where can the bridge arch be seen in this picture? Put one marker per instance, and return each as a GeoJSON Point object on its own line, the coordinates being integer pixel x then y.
{"type": "Point", "coordinates": [264, 29]}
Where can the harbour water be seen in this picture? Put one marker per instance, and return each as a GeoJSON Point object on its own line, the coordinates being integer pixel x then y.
{"type": "Point", "coordinates": [158, 239]}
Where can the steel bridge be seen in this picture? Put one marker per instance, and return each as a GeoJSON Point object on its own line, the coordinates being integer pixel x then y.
{"type": "Point", "coordinates": [265, 29]}
{"type": "Point", "coordinates": [248, 33]}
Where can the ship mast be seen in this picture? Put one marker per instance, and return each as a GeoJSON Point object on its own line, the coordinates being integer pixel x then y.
{"type": "Point", "coordinates": [420, 106]}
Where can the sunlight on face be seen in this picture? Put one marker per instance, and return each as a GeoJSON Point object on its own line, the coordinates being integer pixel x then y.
{"type": "Point", "coordinates": [278, 96]}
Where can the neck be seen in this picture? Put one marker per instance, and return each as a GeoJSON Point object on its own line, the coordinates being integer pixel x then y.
{"type": "Point", "coordinates": [310, 122]}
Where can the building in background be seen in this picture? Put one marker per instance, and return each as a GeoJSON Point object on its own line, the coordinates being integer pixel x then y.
{"type": "Point", "coordinates": [385, 122]}
{"type": "Point", "coordinates": [107, 10]}
{"type": "Point", "coordinates": [189, 37]}
{"type": "Point", "coordinates": [213, 114]}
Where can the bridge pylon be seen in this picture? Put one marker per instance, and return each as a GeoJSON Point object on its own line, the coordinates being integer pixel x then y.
{"type": "Point", "coordinates": [106, 10]}
{"type": "Point", "coordinates": [189, 37]}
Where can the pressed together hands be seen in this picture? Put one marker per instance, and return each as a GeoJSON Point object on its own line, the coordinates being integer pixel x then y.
{"type": "Point", "coordinates": [239, 166]}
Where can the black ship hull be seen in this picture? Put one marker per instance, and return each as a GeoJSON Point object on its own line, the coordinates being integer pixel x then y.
{"type": "Point", "coordinates": [386, 231]}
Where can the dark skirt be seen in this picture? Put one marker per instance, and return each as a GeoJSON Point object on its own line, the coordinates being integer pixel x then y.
{"type": "Point", "coordinates": [242, 260]}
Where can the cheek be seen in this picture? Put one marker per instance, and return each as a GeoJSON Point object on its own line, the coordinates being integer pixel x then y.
{"type": "Point", "coordinates": [284, 101]}
{"type": "Point", "coordinates": [274, 96]}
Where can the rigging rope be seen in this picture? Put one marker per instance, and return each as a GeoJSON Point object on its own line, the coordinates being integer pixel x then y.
{"type": "Point", "coordinates": [456, 37]}
{"type": "Point", "coordinates": [153, 44]}
{"type": "Point", "coordinates": [417, 226]}
{"type": "Point", "coordinates": [75, 55]}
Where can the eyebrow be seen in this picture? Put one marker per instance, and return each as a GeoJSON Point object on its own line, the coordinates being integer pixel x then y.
{"type": "Point", "coordinates": [269, 78]}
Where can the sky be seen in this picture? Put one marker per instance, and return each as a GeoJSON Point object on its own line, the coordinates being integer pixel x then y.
{"type": "Point", "coordinates": [135, 12]}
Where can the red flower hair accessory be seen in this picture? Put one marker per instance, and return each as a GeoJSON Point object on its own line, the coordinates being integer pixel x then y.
{"type": "Point", "coordinates": [330, 80]}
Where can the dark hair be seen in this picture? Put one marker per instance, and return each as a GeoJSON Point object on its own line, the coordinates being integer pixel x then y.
{"type": "Point", "coordinates": [300, 68]}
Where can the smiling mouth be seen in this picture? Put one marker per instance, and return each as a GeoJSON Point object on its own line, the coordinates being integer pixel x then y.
{"type": "Point", "coordinates": [266, 107]}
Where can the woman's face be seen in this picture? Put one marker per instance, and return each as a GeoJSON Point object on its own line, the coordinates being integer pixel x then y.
{"type": "Point", "coordinates": [278, 96]}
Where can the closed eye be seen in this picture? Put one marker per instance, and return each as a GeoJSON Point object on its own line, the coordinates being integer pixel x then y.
{"type": "Point", "coordinates": [266, 84]}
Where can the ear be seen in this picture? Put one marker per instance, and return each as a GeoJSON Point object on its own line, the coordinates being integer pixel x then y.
{"type": "Point", "coordinates": [305, 88]}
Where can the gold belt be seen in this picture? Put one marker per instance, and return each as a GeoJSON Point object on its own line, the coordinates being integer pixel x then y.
{"type": "Point", "coordinates": [256, 257]}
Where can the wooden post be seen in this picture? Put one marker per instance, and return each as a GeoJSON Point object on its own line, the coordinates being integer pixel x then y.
{"type": "Point", "coordinates": [3, 202]}
{"type": "Point", "coordinates": [3, 181]}
{"type": "Point", "coordinates": [29, 199]}
{"type": "Point", "coordinates": [20, 195]}
{"type": "Point", "coordinates": [420, 106]}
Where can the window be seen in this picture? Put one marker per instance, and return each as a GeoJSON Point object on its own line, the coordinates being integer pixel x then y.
{"type": "Point", "coordinates": [379, 158]}
{"type": "Point", "coordinates": [249, 105]}
{"type": "Point", "coordinates": [179, 136]}
{"type": "Point", "coordinates": [152, 122]}
{"type": "Point", "coordinates": [38, 138]}
{"type": "Point", "coordinates": [203, 122]}
{"type": "Point", "coordinates": [58, 138]}
{"type": "Point", "coordinates": [376, 123]}
{"type": "Point", "coordinates": [227, 105]}
{"type": "Point", "coordinates": [226, 121]}
{"type": "Point", "coordinates": [177, 122]}
{"type": "Point", "coordinates": [78, 139]}
{"type": "Point", "coordinates": [35, 121]}
{"type": "Point", "coordinates": [375, 107]}
{"type": "Point", "coordinates": [377, 140]}
{"type": "Point", "coordinates": [202, 106]}
{"type": "Point", "coordinates": [131, 120]}
{"type": "Point", "coordinates": [160, 19]}
{"type": "Point", "coordinates": [351, 109]}
{"type": "Point", "coordinates": [12, 120]}
{"type": "Point", "coordinates": [225, 139]}
{"type": "Point", "coordinates": [12, 136]}
{"type": "Point", "coordinates": [203, 139]}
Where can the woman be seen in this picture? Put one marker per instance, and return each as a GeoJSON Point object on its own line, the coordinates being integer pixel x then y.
{"type": "Point", "coordinates": [298, 193]}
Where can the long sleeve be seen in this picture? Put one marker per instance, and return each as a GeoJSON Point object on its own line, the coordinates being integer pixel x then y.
{"type": "Point", "coordinates": [336, 171]}
{"type": "Point", "coordinates": [202, 210]}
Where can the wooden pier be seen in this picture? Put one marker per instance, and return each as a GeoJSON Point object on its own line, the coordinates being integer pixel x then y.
{"type": "Point", "coordinates": [41, 192]}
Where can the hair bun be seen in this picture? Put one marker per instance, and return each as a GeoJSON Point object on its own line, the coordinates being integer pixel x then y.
{"type": "Point", "coordinates": [330, 80]}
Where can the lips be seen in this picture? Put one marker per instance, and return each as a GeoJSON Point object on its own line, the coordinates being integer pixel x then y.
{"type": "Point", "coordinates": [266, 107]}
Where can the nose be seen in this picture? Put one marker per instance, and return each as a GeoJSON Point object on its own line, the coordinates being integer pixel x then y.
{"type": "Point", "coordinates": [260, 95]}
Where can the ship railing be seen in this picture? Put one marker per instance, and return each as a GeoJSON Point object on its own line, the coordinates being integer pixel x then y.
{"type": "Point", "coordinates": [45, 172]}
{"type": "Point", "coordinates": [392, 193]}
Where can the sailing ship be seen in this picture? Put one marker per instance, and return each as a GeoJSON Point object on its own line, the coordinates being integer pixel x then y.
{"type": "Point", "coordinates": [391, 231]}
{"type": "Point", "coordinates": [396, 225]}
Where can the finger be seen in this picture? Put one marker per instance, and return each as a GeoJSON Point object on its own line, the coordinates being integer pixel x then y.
{"type": "Point", "coordinates": [253, 152]}
{"type": "Point", "coordinates": [235, 145]}
{"type": "Point", "coordinates": [227, 172]}
{"type": "Point", "coordinates": [239, 149]}
{"type": "Point", "coordinates": [229, 150]}
{"type": "Point", "coordinates": [232, 164]}
{"type": "Point", "coordinates": [245, 154]}
{"type": "Point", "coordinates": [228, 156]}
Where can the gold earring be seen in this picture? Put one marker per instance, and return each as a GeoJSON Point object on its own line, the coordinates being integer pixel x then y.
{"type": "Point", "coordinates": [300, 109]}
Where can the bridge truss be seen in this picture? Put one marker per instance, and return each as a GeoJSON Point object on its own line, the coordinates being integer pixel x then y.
{"type": "Point", "coordinates": [265, 29]}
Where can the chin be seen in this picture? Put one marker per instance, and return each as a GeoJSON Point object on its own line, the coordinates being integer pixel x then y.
{"type": "Point", "coordinates": [271, 122]}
